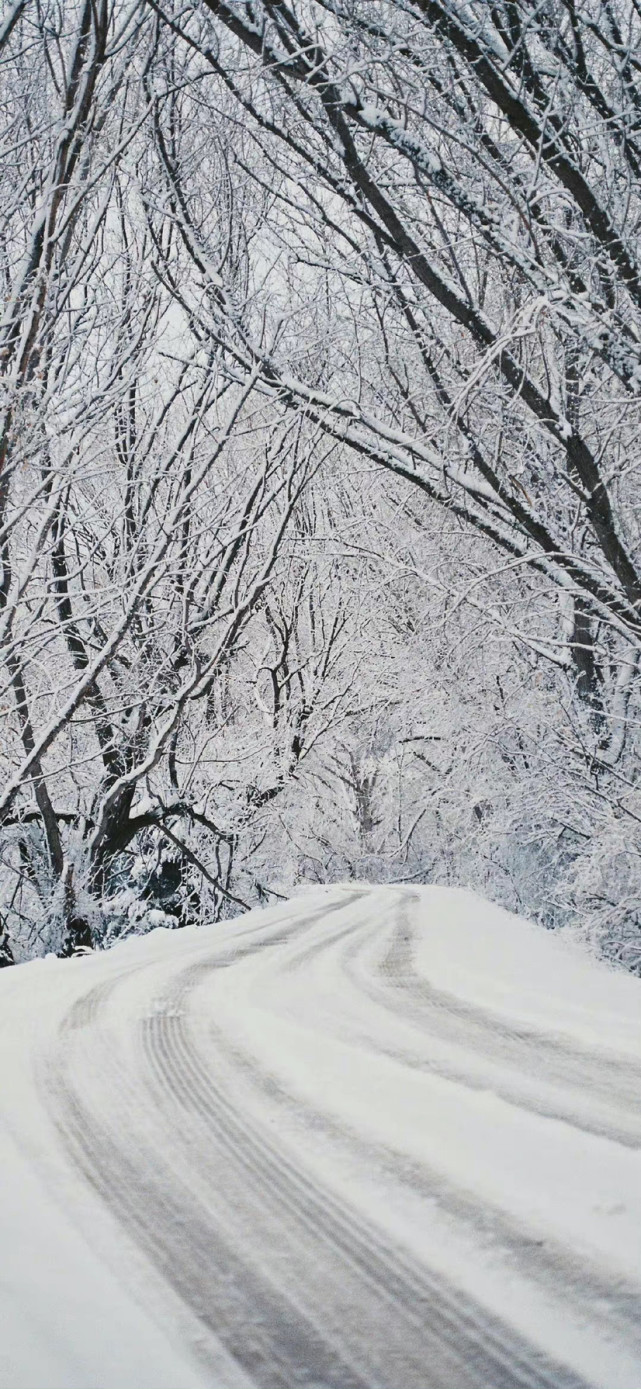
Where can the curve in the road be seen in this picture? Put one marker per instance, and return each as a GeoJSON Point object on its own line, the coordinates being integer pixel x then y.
{"type": "Point", "coordinates": [301, 1288]}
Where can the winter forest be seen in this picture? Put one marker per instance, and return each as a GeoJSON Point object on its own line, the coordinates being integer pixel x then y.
{"type": "Point", "coordinates": [320, 522]}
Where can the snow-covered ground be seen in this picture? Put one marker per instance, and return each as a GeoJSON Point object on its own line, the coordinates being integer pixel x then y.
{"type": "Point", "coordinates": [371, 1137]}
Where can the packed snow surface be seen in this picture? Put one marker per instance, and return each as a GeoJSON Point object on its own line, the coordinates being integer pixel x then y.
{"type": "Point", "coordinates": [369, 1138]}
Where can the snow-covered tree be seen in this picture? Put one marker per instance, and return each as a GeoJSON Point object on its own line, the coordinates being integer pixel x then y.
{"type": "Point", "coordinates": [319, 529]}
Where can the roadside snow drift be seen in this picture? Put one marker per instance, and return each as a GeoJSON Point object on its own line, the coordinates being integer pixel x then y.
{"type": "Point", "coordinates": [371, 1137]}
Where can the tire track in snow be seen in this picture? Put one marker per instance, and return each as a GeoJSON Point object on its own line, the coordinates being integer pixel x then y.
{"type": "Point", "coordinates": [564, 1080]}
{"type": "Point", "coordinates": [433, 1337]}
{"type": "Point", "coordinates": [546, 1263]}
{"type": "Point", "coordinates": [296, 1284]}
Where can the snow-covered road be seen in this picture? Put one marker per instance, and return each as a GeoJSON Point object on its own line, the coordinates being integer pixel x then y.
{"type": "Point", "coordinates": [371, 1137]}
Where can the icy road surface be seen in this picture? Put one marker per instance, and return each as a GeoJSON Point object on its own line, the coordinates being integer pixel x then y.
{"type": "Point", "coordinates": [372, 1137]}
